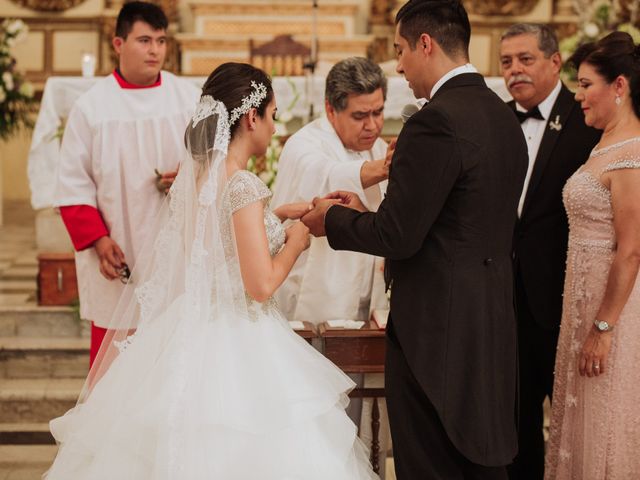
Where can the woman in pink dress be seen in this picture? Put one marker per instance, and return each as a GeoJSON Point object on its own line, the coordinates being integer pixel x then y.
{"type": "Point", "coordinates": [595, 424]}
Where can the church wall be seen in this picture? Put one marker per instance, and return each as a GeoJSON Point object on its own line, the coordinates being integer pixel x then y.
{"type": "Point", "coordinates": [86, 9]}
{"type": "Point", "coordinates": [57, 41]}
{"type": "Point", "coordinates": [13, 154]}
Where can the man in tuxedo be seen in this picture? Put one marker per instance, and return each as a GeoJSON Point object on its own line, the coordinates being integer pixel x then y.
{"type": "Point", "coordinates": [446, 229]}
{"type": "Point", "coordinates": [558, 143]}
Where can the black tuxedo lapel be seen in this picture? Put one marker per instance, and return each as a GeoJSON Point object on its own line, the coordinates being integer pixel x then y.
{"type": "Point", "coordinates": [559, 115]}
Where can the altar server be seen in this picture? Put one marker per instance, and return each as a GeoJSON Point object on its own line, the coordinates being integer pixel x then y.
{"type": "Point", "coordinates": [120, 152]}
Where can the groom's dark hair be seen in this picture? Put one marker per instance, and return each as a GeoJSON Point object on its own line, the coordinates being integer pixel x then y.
{"type": "Point", "coordinates": [446, 21]}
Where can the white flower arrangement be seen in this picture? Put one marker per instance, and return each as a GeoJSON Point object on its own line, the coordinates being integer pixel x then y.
{"type": "Point", "coordinates": [16, 94]}
{"type": "Point", "coordinates": [598, 18]}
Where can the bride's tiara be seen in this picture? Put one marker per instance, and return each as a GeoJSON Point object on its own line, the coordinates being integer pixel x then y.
{"type": "Point", "coordinates": [207, 105]}
{"type": "Point", "coordinates": [254, 100]}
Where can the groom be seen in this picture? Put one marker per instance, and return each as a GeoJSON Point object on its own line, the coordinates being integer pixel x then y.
{"type": "Point", "coordinates": [446, 228]}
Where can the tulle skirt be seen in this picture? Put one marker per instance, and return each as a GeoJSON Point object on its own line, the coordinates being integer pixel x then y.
{"type": "Point", "coordinates": [228, 399]}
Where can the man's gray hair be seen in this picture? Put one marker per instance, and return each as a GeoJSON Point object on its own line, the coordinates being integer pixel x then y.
{"type": "Point", "coordinates": [547, 40]}
{"type": "Point", "coordinates": [354, 75]}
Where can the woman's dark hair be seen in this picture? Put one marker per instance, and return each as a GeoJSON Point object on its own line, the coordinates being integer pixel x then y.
{"type": "Point", "coordinates": [612, 56]}
{"type": "Point", "coordinates": [231, 82]}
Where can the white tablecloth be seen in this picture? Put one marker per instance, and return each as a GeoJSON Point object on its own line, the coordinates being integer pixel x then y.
{"type": "Point", "coordinates": [61, 92]}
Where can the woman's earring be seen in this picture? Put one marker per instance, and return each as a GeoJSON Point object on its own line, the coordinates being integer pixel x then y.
{"type": "Point", "coordinates": [618, 100]}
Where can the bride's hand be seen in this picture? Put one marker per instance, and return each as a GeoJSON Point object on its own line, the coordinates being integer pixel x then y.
{"type": "Point", "coordinates": [297, 235]}
{"type": "Point", "coordinates": [292, 211]}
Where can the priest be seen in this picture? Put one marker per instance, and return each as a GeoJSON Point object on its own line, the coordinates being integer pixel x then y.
{"type": "Point", "coordinates": [342, 151]}
{"type": "Point", "coordinates": [120, 153]}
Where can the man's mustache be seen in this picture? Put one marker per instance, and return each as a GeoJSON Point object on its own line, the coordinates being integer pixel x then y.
{"type": "Point", "coordinates": [519, 79]}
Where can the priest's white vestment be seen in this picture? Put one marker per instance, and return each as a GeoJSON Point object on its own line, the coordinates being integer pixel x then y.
{"type": "Point", "coordinates": [325, 284]}
{"type": "Point", "coordinates": [114, 140]}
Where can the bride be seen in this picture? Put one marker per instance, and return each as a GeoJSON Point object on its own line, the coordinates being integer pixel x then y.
{"type": "Point", "coordinates": [200, 376]}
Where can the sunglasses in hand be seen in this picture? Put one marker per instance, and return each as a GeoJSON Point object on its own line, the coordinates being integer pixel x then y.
{"type": "Point", "coordinates": [124, 273]}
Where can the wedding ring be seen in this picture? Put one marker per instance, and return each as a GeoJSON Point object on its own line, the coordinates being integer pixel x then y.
{"type": "Point", "coordinates": [596, 367]}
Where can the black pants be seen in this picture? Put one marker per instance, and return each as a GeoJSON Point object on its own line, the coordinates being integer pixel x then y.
{"type": "Point", "coordinates": [536, 360]}
{"type": "Point", "coordinates": [421, 448]}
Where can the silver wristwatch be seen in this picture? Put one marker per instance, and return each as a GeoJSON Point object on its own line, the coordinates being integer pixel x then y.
{"type": "Point", "coordinates": [602, 326]}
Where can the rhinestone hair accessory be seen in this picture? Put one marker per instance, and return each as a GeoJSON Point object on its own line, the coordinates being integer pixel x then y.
{"type": "Point", "coordinates": [252, 101]}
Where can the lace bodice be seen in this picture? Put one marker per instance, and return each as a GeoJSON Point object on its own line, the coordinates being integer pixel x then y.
{"type": "Point", "coordinates": [588, 201]}
{"type": "Point", "coordinates": [244, 188]}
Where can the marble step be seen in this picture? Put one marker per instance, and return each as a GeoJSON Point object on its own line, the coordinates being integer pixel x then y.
{"type": "Point", "coordinates": [25, 462]}
{"type": "Point", "coordinates": [25, 434]}
{"type": "Point", "coordinates": [37, 400]}
{"type": "Point", "coordinates": [17, 285]}
{"type": "Point", "coordinates": [35, 321]}
{"type": "Point", "coordinates": [44, 357]}
{"type": "Point", "coordinates": [251, 17]}
{"type": "Point", "coordinates": [202, 53]}
{"type": "Point", "coordinates": [20, 272]}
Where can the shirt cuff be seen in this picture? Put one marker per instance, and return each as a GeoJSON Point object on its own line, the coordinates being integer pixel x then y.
{"type": "Point", "coordinates": [84, 224]}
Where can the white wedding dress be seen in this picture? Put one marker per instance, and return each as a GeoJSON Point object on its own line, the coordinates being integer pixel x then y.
{"type": "Point", "coordinates": [205, 390]}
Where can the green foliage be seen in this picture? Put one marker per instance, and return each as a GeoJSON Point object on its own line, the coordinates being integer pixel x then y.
{"type": "Point", "coordinates": [16, 94]}
{"type": "Point", "coordinates": [601, 19]}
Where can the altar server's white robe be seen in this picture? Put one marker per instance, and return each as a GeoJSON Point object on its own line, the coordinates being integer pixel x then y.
{"type": "Point", "coordinates": [114, 139]}
{"type": "Point", "coordinates": [325, 284]}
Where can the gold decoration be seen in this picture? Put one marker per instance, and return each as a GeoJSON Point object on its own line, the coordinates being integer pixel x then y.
{"type": "Point", "coordinates": [499, 7]}
{"type": "Point", "coordinates": [48, 5]}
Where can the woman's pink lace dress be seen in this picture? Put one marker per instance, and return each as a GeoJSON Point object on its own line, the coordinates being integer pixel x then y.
{"type": "Point", "coordinates": [595, 422]}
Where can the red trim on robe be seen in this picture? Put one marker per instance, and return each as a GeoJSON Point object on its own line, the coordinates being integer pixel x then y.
{"type": "Point", "coordinates": [97, 336]}
{"type": "Point", "coordinates": [125, 84]}
{"type": "Point", "coordinates": [84, 224]}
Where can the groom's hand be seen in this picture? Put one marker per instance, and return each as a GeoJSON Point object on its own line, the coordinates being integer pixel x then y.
{"type": "Point", "coordinates": [314, 220]}
{"type": "Point", "coordinates": [348, 199]}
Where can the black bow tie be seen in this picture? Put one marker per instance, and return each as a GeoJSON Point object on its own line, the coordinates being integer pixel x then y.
{"type": "Point", "coordinates": [533, 113]}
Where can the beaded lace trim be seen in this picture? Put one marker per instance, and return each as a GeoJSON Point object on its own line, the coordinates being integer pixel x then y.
{"type": "Point", "coordinates": [596, 152]}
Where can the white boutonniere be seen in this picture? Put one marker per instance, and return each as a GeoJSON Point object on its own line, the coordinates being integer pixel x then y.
{"type": "Point", "coordinates": [555, 124]}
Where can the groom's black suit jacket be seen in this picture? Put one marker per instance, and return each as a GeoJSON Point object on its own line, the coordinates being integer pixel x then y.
{"type": "Point", "coordinates": [540, 240]}
{"type": "Point", "coordinates": [446, 229]}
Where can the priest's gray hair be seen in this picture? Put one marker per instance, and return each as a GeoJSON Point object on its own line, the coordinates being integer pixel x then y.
{"type": "Point", "coordinates": [547, 39]}
{"type": "Point", "coordinates": [353, 75]}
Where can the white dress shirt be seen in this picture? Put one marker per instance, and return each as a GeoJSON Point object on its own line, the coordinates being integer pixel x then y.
{"type": "Point", "coordinates": [533, 130]}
